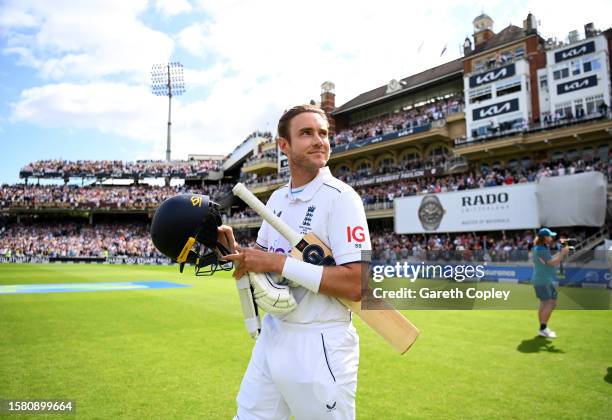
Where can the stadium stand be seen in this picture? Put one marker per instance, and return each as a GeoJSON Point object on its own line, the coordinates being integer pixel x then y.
{"type": "Point", "coordinates": [58, 168]}
{"type": "Point", "coordinates": [143, 197]}
{"type": "Point", "coordinates": [410, 117]}
{"type": "Point", "coordinates": [490, 118]}
{"type": "Point", "coordinates": [77, 239]}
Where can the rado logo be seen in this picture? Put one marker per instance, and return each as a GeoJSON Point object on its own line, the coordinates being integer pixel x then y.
{"type": "Point", "coordinates": [480, 200]}
{"type": "Point", "coordinates": [583, 49]}
{"type": "Point", "coordinates": [495, 109]}
{"type": "Point", "coordinates": [492, 75]}
{"type": "Point", "coordinates": [577, 85]}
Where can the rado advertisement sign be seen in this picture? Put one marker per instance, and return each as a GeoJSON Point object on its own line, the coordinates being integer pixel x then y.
{"type": "Point", "coordinates": [585, 82]}
{"type": "Point", "coordinates": [492, 75]}
{"type": "Point", "coordinates": [492, 208]}
{"type": "Point", "coordinates": [576, 51]}
{"type": "Point", "coordinates": [495, 109]}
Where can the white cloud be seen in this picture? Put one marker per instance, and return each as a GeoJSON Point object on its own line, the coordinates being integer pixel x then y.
{"type": "Point", "coordinates": [172, 7]}
{"type": "Point", "coordinates": [254, 59]}
{"type": "Point", "coordinates": [16, 18]}
{"type": "Point", "coordinates": [86, 40]}
{"type": "Point", "coordinates": [194, 39]}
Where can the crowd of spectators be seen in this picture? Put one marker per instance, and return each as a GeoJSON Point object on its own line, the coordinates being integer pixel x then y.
{"type": "Point", "coordinates": [556, 119]}
{"type": "Point", "coordinates": [405, 119]}
{"type": "Point", "coordinates": [59, 168]}
{"type": "Point", "coordinates": [133, 240]}
{"type": "Point", "coordinates": [96, 197]}
{"type": "Point", "coordinates": [389, 247]}
{"type": "Point", "coordinates": [482, 178]}
{"type": "Point", "coordinates": [513, 246]}
{"type": "Point", "coordinates": [471, 179]}
{"type": "Point", "coordinates": [268, 154]}
{"type": "Point", "coordinates": [254, 134]}
{"type": "Point", "coordinates": [141, 197]}
{"type": "Point", "coordinates": [77, 240]}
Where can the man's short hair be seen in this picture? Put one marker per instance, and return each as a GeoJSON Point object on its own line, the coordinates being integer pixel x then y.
{"type": "Point", "coordinates": [285, 120]}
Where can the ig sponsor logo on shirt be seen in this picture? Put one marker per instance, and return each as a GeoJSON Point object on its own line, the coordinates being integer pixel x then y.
{"type": "Point", "coordinates": [355, 235]}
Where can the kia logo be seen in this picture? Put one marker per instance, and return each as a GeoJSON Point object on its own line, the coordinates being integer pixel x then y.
{"type": "Point", "coordinates": [586, 82]}
{"type": "Point", "coordinates": [494, 110]}
{"type": "Point", "coordinates": [491, 76]}
{"type": "Point", "coordinates": [574, 52]}
{"type": "Point", "coordinates": [576, 85]}
{"type": "Point", "coordinates": [583, 49]}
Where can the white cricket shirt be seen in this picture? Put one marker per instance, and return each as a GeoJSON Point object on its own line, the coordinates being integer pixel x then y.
{"type": "Point", "coordinates": [331, 210]}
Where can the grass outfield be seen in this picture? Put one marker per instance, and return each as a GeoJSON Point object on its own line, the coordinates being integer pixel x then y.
{"type": "Point", "coordinates": [181, 353]}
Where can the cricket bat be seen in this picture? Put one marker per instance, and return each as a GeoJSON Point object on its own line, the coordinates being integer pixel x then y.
{"type": "Point", "coordinates": [388, 323]}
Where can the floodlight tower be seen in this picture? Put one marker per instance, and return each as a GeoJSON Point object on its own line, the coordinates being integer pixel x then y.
{"type": "Point", "coordinates": [167, 80]}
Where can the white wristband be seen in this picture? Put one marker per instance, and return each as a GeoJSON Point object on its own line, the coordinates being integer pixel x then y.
{"type": "Point", "coordinates": [303, 273]}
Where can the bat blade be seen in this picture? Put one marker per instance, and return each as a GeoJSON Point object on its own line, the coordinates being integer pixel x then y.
{"type": "Point", "coordinates": [390, 324]}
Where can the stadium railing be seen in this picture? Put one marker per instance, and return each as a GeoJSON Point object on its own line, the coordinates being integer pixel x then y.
{"type": "Point", "coordinates": [531, 128]}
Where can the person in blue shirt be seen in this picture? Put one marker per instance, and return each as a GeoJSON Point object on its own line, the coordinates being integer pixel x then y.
{"type": "Point", "coordinates": [544, 274]}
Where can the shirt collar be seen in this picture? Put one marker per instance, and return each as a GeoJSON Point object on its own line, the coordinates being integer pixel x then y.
{"type": "Point", "coordinates": [308, 191]}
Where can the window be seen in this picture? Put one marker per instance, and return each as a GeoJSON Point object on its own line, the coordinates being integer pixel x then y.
{"type": "Point", "coordinates": [519, 52]}
{"type": "Point", "coordinates": [438, 151]}
{"type": "Point", "coordinates": [481, 131]}
{"type": "Point", "coordinates": [572, 154]}
{"type": "Point", "coordinates": [506, 87]}
{"type": "Point", "coordinates": [593, 103]}
{"type": "Point", "coordinates": [482, 94]}
{"type": "Point", "coordinates": [563, 110]}
{"type": "Point", "coordinates": [578, 108]}
{"type": "Point", "coordinates": [544, 83]}
{"type": "Point", "coordinates": [575, 66]}
{"type": "Point", "coordinates": [591, 65]}
{"type": "Point", "coordinates": [505, 57]}
{"type": "Point", "coordinates": [561, 73]}
{"type": "Point", "coordinates": [479, 66]}
{"type": "Point", "coordinates": [557, 155]}
{"type": "Point", "coordinates": [513, 163]}
{"type": "Point", "coordinates": [411, 157]}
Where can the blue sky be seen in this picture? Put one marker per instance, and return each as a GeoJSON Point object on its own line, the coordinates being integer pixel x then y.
{"type": "Point", "coordinates": [74, 76]}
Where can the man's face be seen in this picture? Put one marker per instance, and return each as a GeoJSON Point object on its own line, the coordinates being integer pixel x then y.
{"type": "Point", "coordinates": [309, 146]}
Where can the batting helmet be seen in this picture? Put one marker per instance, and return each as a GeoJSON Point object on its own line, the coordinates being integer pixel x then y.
{"type": "Point", "coordinates": [184, 228]}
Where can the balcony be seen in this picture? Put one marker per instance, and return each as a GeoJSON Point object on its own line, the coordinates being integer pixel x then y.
{"type": "Point", "coordinates": [267, 185]}
{"type": "Point", "coordinates": [373, 211]}
{"type": "Point", "coordinates": [264, 165]}
{"type": "Point", "coordinates": [523, 136]}
{"type": "Point", "coordinates": [439, 129]}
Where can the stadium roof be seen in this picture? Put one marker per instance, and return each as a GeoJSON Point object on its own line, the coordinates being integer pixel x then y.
{"type": "Point", "coordinates": [411, 82]}
{"type": "Point", "coordinates": [509, 34]}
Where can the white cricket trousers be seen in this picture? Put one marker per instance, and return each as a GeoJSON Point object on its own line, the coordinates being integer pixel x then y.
{"type": "Point", "coordinates": [305, 370]}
